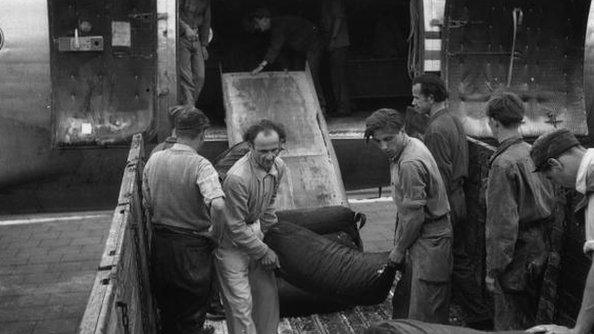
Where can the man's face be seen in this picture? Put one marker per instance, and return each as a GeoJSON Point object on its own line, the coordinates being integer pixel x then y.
{"type": "Point", "coordinates": [494, 126]}
{"type": "Point", "coordinates": [389, 142]}
{"type": "Point", "coordinates": [560, 173]}
{"type": "Point", "coordinates": [262, 24]}
{"type": "Point", "coordinates": [266, 148]}
{"type": "Point", "coordinates": [421, 103]}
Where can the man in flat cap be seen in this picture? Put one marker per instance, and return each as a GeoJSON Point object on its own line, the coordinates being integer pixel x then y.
{"type": "Point", "coordinates": [560, 157]}
{"type": "Point", "coordinates": [183, 195]}
{"type": "Point", "coordinates": [445, 138]}
{"type": "Point", "coordinates": [519, 207]}
{"type": "Point", "coordinates": [423, 236]}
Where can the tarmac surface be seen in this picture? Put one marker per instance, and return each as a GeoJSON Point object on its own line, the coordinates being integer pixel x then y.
{"type": "Point", "coordinates": [48, 263]}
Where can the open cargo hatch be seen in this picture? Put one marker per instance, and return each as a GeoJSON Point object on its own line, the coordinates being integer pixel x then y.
{"type": "Point", "coordinates": [289, 98]}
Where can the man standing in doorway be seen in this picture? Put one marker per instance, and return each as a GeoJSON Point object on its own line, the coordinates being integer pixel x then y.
{"type": "Point", "coordinates": [194, 26]}
{"type": "Point", "coordinates": [519, 210]}
{"type": "Point", "coordinates": [423, 237]}
{"type": "Point", "coordinates": [560, 157]}
{"type": "Point", "coordinates": [336, 36]}
{"type": "Point", "coordinates": [446, 140]}
{"type": "Point", "coordinates": [299, 35]}
{"type": "Point", "coordinates": [182, 194]}
{"type": "Point", "coordinates": [245, 264]}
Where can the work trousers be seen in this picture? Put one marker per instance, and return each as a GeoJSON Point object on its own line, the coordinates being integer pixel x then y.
{"type": "Point", "coordinates": [182, 268]}
{"type": "Point", "coordinates": [314, 59]}
{"type": "Point", "coordinates": [338, 59]}
{"type": "Point", "coordinates": [514, 310]}
{"type": "Point", "coordinates": [250, 293]}
{"type": "Point", "coordinates": [466, 290]}
{"type": "Point", "coordinates": [419, 299]}
{"type": "Point", "coordinates": [191, 70]}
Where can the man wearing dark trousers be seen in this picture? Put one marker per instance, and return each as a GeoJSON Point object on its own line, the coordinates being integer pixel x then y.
{"type": "Point", "coordinates": [182, 194]}
{"type": "Point", "coordinates": [296, 33]}
{"type": "Point", "coordinates": [519, 211]}
{"type": "Point", "coordinates": [446, 140]}
{"type": "Point", "coordinates": [423, 236]}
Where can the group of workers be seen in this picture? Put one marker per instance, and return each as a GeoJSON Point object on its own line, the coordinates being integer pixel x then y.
{"type": "Point", "coordinates": [208, 232]}
{"type": "Point", "coordinates": [289, 32]}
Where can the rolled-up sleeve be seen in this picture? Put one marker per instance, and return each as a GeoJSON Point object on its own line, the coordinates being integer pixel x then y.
{"type": "Point", "coordinates": [208, 182]}
{"type": "Point", "coordinates": [502, 221]}
{"type": "Point", "coordinates": [235, 214]}
{"type": "Point", "coordinates": [411, 214]}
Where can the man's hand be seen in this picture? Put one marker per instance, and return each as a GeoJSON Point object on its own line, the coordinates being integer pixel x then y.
{"type": "Point", "coordinates": [204, 53]}
{"type": "Point", "coordinates": [270, 260]}
{"type": "Point", "coordinates": [260, 67]}
{"type": "Point", "coordinates": [191, 34]}
{"type": "Point", "coordinates": [551, 329]}
{"type": "Point", "coordinates": [491, 284]}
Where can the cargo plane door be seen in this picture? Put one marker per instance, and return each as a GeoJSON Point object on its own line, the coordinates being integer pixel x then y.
{"type": "Point", "coordinates": [103, 69]}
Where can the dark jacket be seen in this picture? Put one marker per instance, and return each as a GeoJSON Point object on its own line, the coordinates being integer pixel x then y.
{"type": "Point", "coordinates": [291, 31]}
{"type": "Point", "coordinates": [519, 205]}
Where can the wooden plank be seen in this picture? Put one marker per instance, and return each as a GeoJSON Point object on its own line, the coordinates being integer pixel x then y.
{"type": "Point", "coordinates": [95, 303]}
{"type": "Point", "coordinates": [166, 63]}
{"type": "Point", "coordinates": [288, 98]}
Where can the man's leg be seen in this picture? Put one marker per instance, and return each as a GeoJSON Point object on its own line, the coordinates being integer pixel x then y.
{"type": "Point", "coordinates": [182, 269]}
{"type": "Point", "coordinates": [265, 299]}
{"type": "Point", "coordinates": [338, 58]}
{"type": "Point", "coordinates": [513, 311]}
{"type": "Point", "coordinates": [186, 80]}
{"type": "Point", "coordinates": [198, 69]}
{"type": "Point", "coordinates": [430, 301]}
{"type": "Point", "coordinates": [232, 267]}
{"type": "Point", "coordinates": [466, 291]}
{"type": "Point", "coordinates": [401, 299]}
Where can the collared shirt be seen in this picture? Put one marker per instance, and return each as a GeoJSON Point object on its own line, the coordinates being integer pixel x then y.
{"type": "Point", "coordinates": [585, 185]}
{"type": "Point", "coordinates": [167, 143]}
{"type": "Point", "coordinates": [419, 194]}
{"type": "Point", "coordinates": [446, 140]}
{"type": "Point", "coordinates": [518, 201]}
{"type": "Point", "coordinates": [296, 32]}
{"type": "Point", "coordinates": [179, 186]}
{"type": "Point", "coordinates": [196, 14]}
{"type": "Point", "coordinates": [250, 196]}
{"type": "Point", "coordinates": [332, 10]}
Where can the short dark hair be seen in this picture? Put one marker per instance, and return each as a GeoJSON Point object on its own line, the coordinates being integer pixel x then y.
{"type": "Point", "coordinates": [384, 118]}
{"type": "Point", "coordinates": [265, 126]}
{"type": "Point", "coordinates": [432, 85]}
{"type": "Point", "coordinates": [191, 122]}
{"type": "Point", "coordinates": [507, 108]}
{"type": "Point", "coordinates": [172, 114]}
{"type": "Point", "coordinates": [260, 13]}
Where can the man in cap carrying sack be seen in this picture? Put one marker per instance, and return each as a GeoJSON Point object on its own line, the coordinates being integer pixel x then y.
{"type": "Point", "coordinates": [560, 157]}
{"type": "Point", "coordinates": [519, 205]}
{"type": "Point", "coordinates": [182, 193]}
{"type": "Point", "coordinates": [423, 236]}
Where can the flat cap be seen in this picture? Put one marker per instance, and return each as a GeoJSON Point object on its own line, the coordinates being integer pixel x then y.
{"type": "Point", "coordinates": [550, 146]}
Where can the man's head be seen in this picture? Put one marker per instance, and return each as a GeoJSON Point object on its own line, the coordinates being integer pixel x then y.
{"type": "Point", "coordinates": [265, 139]}
{"type": "Point", "coordinates": [428, 90]}
{"type": "Point", "coordinates": [505, 111]}
{"type": "Point", "coordinates": [386, 128]}
{"type": "Point", "coordinates": [260, 19]}
{"type": "Point", "coordinates": [190, 125]}
{"type": "Point", "coordinates": [558, 155]}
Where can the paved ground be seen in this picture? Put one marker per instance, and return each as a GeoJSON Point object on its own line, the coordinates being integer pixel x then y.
{"type": "Point", "coordinates": [48, 263]}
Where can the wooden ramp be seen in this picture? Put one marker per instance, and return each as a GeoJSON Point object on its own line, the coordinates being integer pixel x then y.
{"type": "Point", "coordinates": [290, 99]}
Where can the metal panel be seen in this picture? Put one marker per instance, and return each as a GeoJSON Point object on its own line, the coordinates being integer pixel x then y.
{"type": "Point", "coordinates": [288, 98]}
{"type": "Point", "coordinates": [547, 70]}
{"type": "Point", "coordinates": [103, 96]}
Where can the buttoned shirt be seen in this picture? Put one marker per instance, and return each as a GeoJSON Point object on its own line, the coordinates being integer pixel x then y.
{"type": "Point", "coordinates": [419, 195]}
{"type": "Point", "coordinates": [250, 196]}
{"type": "Point", "coordinates": [585, 185]}
{"type": "Point", "coordinates": [179, 186]}
{"type": "Point", "coordinates": [518, 201]}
